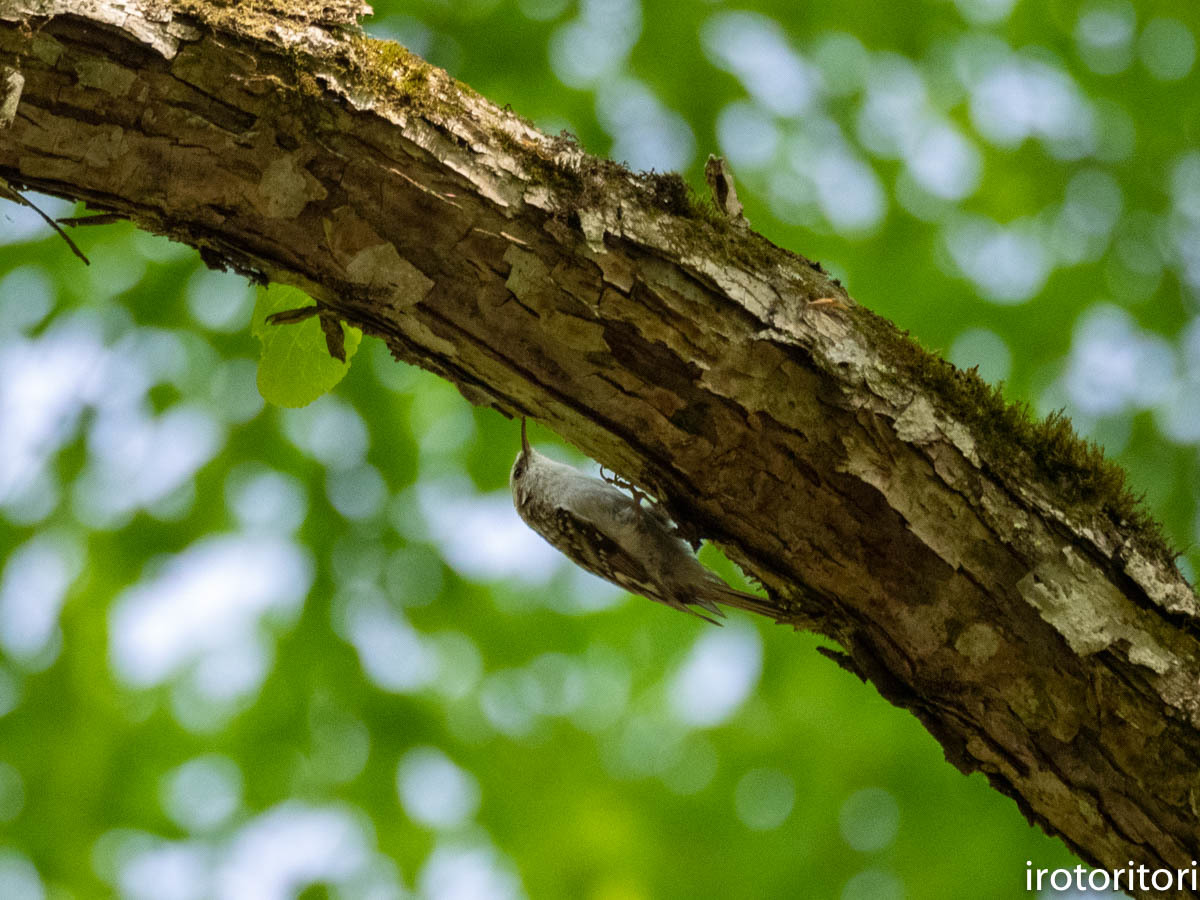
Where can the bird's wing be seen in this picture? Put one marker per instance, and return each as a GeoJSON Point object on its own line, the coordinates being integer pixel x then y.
{"type": "Point", "coordinates": [599, 553]}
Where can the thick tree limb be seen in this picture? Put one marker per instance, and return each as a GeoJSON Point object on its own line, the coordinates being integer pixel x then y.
{"type": "Point", "coordinates": [986, 574]}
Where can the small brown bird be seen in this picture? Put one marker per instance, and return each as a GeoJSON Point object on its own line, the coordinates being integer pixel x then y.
{"type": "Point", "coordinates": [614, 536]}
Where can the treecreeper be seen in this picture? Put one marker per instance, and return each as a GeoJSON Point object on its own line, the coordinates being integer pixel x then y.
{"type": "Point", "coordinates": [613, 535]}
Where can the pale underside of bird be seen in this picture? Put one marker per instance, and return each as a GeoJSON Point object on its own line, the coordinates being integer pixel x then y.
{"type": "Point", "coordinates": [611, 534]}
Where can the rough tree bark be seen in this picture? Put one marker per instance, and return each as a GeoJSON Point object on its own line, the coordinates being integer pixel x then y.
{"type": "Point", "coordinates": [985, 573]}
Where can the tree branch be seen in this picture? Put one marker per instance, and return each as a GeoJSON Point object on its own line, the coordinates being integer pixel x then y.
{"type": "Point", "coordinates": [985, 572]}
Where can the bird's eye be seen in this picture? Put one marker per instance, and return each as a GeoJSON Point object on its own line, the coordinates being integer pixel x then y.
{"type": "Point", "coordinates": [519, 470]}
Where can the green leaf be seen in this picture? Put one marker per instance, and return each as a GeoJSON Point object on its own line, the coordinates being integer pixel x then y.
{"type": "Point", "coordinates": [295, 367]}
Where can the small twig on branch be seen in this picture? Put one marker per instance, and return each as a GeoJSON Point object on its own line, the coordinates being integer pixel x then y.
{"type": "Point", "coordinates": [10, 193]}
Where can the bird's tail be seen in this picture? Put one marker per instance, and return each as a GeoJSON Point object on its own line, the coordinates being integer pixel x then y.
{"type": "Point", "coordinates": [723, 593]}
{"type": "Point", "coordinates": [702, 602]}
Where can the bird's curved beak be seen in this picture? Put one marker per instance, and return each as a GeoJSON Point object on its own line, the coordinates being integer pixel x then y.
{"type": "Point", "coordinates": [524, 438]}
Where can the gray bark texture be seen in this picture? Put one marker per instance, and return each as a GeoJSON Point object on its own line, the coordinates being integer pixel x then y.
{"type": "Point", "coordinates": [987, 573]}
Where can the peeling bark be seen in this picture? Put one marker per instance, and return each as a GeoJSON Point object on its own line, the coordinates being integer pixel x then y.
{"type": "Point", "coordinates": [980, 575]}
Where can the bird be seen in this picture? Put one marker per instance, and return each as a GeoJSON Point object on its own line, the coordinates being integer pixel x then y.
{"type": "Point", "coordinates": [612, 535]}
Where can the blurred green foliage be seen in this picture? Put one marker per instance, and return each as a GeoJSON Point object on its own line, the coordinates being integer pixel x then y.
{"type": "Point", "coordinates": [253, 652]}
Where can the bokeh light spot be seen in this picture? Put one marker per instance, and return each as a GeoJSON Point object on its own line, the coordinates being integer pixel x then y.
{"type": "Point", "coordinates": [203, 793]}
{"type": "Point", "coordinates": [764, 798]}
{"type": "Point", "coordinates": [435, 791]}
{"type": "Point", "coordinates": [870, 819]}
{"type": "Point", "coordinates": [717, 676]}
